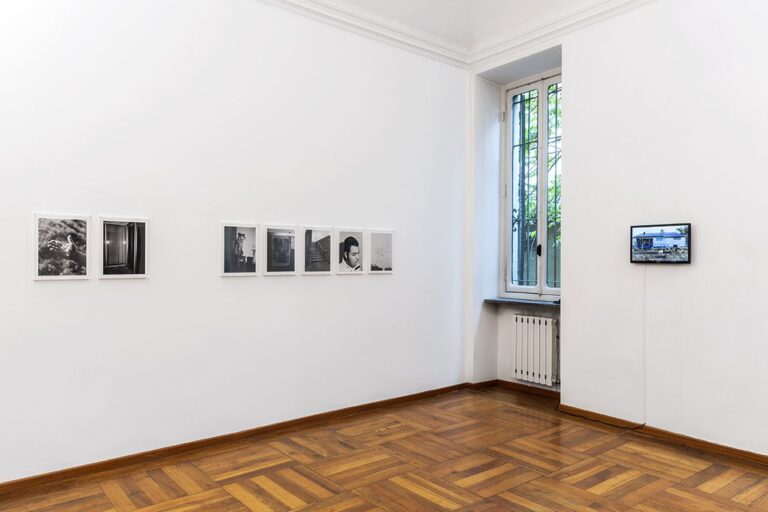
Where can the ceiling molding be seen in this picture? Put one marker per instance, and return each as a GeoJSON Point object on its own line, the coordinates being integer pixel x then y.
{"type": "Point", "coordinates": [378, 28]}
{"type": "Point", "coordinates": [521, 44]}
{"type": "Point", "coordinates": [427, 44]}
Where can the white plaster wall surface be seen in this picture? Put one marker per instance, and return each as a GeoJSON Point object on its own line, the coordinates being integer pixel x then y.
{"type": "Point", "coordinates": [485, 241]}
{"type": "Point", "coordinates": [664, 123]}
{"type": "Point", "coordinates": [190, 113]}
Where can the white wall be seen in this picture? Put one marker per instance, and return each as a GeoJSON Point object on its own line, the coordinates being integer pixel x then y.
{"type": "Point", "coordinates": [191, 112]}
{"type": "Point", "coordinates": [483, 238]}
{"type": "Point", "coordinates": [664, 122]}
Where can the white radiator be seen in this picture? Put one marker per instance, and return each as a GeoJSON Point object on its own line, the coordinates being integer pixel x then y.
{"type": "Point", "coordinates": [528, 348]}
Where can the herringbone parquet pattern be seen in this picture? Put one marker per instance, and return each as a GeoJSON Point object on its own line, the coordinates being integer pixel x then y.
{"type": "Point", "coordinates": [467, 451]}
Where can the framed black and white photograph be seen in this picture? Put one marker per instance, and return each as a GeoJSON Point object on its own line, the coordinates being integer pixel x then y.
{"type": "Point", "coordinates": [660, 243]}
{"type": "Point", "coordinates": [124, 248]}
{"type": "Point", "coordinates": [382, 251]}
{"type": "Point", "coordinates": [279, 250]}
{"type": "Point", "coordinates": [318, 251]}
{"type": "Point", "coordinates": [239, 249]}
{"type": "Point", "coordinates": [62, 246]}
{"type": "Point", "coordinates": [351, 253]}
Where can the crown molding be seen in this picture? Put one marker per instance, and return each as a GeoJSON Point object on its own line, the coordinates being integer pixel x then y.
{"type": "Point", "coordinates": [378, 28]}
{"type": "Point", "coordinates": [518, 46]}
{"type": "Point", "coordinates": [427, 44]}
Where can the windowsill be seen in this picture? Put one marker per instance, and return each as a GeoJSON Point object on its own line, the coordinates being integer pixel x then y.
{"type": "Point", "coordinates": [531, 302]}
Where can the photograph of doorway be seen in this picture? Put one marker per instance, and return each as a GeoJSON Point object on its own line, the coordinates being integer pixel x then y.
{"type": "Point", "coordinates": [124, 252]}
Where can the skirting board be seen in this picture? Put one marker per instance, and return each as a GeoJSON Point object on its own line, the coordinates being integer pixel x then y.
{"type": "Point", "coordinates": [516, 386]}
{"type": "Point", "coordinates": [121, 463]}
{"type": "Point", "coordinates": [665, 435]}
{"type": "Point", "coordinates": [600, 418]}
{"type": "Point", "coordinates": [532, 390]}
{"type": "Point", "coordinates": [64, 475]}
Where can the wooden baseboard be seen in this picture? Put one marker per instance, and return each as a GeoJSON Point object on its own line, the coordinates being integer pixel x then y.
{"type": "Point", "coordinates": [532, 390]}
{"type": "Point", "coordinates": [64, 475]}
{"type": "Point", "coordinates": [515, 386]}
{"type": "Point", "coordinates": [702, 445]}
{"type": "Point", "coordinates": [120, 463]}
{"type": "Point", "coordinates": [665, 435]}
{"type": "Point", "coordinates": [483, 385]}
{"type": "Point", "coordinates": [600, 418]}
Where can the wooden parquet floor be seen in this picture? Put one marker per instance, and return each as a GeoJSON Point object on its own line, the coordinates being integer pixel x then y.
{"type": "Point", "coordinates": [466, 451]}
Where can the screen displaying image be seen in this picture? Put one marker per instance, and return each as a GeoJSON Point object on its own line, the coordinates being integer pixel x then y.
{"type": "Point", "coordinates": [661, 243]}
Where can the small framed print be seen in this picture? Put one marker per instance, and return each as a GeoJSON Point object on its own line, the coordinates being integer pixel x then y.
{"type": "Point", "coordinates": [351, 255]}
{"type": "Point", "coordinates": [61, 246]}
{"type": "Point", "coordinates": [239, 249]}
{"type": "Point", "coordinates": [279, 250]}
{"type": "Point", "coordinates": [124, 247]}
{"type": "Point", "coordinates": [381, 250]}
{"type": "Point", "coordinates": [319, 251]}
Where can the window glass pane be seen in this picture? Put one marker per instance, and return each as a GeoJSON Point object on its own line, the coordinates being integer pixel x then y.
{"type": "Point", "coordinates": [524, 132]}
{"type": "Point", "coordinates": [554, 170]}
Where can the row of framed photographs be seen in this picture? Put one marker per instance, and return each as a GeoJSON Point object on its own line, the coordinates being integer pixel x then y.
{"type": "Point", "coordinates": [247, 249]}
{"type": "Point", "coordinates": [251, 249]}
{"type": "Point", "coordinates": [62, 247]}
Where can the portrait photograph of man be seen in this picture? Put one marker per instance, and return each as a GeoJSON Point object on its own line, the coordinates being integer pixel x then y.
{"type": "Point", "coordinates": [351, 252]}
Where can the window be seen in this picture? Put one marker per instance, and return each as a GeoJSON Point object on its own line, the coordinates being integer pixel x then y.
{"type": "Point", "coordinates": [532, 189]}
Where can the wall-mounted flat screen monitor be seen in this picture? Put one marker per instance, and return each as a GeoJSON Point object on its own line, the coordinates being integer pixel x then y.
{"type": "Point", "coordinates": [660, 243]}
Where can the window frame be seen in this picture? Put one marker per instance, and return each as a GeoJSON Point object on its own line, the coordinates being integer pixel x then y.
{"type": "Point", "coordinates": [541, 291]}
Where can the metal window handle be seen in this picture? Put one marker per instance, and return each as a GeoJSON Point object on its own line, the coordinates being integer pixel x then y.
{"type": "Point", "coordinates": [538, 250]}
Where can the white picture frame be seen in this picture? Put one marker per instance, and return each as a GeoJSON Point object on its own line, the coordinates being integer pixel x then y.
{"type": "Point", "coordinates": [275, 255]}
{"type": "Point", "coordinates": [52, 238]}
{"type": "Point", "coordinates": [307, 247]}
{"type": "Point", "coordinates": [374, 246]}
{"type": "Point", "coordinates": [105, 220]}
{"type": "Point", "coordinates": [228, 267]}
{"type": "Point", "coordinates": [342, 265]}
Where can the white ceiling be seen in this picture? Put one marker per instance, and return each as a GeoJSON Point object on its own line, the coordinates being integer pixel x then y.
{"type": "Point", "coordinates": [471, 26]}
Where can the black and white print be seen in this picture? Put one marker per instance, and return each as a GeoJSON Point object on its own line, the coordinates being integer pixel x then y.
{"type": "Point", "coordinates": [62, 247]}
{"type": "Point", "coordinates": [280, 253]}
{"type": "Point", "coordinates": [351, 251]}
{"type": "Point", "coordinates": [124, 248]}
{"type": "Point", "coordinates": [318, 249]}
{"type": "Point", "coordinates": [382, 252]}
{"type": "Point", "coordinates": [240, 249]}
